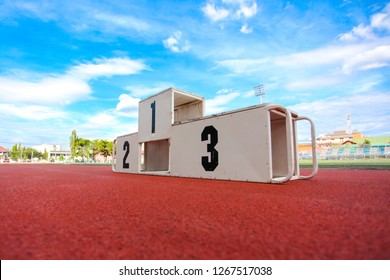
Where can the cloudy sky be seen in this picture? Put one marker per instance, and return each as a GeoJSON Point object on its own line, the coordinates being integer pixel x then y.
{"type": "Point", "coordinates": [85, 65]}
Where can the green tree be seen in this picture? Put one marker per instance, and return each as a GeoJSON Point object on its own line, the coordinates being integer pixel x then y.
{"type": "Point", "coordinates": [73, 143]}
{"type": "Point", "coordinates": [45, 154]}
{"type": "Point", "coordinates": [366, 142]}
{"type": "Point", "coordinates": [102, 147]}
{"type": "Point", "coordinates": [109, 148]}
{"type": "Point", "coordinates": [15, 152]}
{"type": "Point", "coordinates": [106, 148]}
{"type": "Point", "coordinates": [84, 148]}
{"type": "Point", "coordinates": [24, 153]}
{"type": "Point", "coordinates": [31, 153]}
{"type": "Point", "coordinates": [96, 148]}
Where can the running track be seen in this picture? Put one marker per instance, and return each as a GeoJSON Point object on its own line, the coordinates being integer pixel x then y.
{"type": "Point", "coordinates": [89, 212]}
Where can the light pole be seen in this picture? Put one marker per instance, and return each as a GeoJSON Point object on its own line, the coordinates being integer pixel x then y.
{"type": "Point", "coordinates": [260, 91]}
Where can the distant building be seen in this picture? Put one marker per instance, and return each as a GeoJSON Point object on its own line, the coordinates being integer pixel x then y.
{"type": "Point", "coordinates": [4, 153]}
{"type": "Point", "coordinates": [54, 152]}
{"type": "Point", "coordinates": [100, 158]}
{"type": "Point", "coordinates": [338, 138]}
{"type": "Point", "coordinates": [48, 148]}
{"type": "Point", "coordinates": [59, 155]}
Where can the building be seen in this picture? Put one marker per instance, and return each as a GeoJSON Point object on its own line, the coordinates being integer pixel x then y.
{"type": "Point", "coordinates": [339, 145]}
{"type": "Point", "coordinates": [48, 148]}
{"type": "Point", "coordinates": [59, 155]}
{"type": "Point", "coordinates": [338, 138]}
{"type": "Point", "coordinates": [4, 154]}
{"type": "Point", "coordinates": [100, 158]}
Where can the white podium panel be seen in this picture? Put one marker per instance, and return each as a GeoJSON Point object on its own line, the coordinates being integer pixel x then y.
{"type": "Point", "coordinates": [158, 112]}
{"type": "Point", "coordinates": [127, 154]}
{"type": "Point", "coordinates": [155, 117]}
{"type": "Point", "coordinates": [233, 146]}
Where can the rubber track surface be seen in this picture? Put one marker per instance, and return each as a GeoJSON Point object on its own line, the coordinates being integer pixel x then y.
{"type": "Point", "coordinates": [89, 212]}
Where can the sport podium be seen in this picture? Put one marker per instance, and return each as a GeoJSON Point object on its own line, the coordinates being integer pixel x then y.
{"type": "Point", "coordinates": [257, 143]}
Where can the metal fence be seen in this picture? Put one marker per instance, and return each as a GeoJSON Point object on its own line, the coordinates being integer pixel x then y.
{"type": "Point", "coordinates": [350, 152]}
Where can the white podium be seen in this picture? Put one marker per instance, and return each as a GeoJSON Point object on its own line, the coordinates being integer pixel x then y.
{"type": "Point", "coordinates": [257, 144]}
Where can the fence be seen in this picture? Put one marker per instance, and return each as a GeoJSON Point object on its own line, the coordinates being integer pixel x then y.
{"type": "Point", "coordinates": [350, 152]}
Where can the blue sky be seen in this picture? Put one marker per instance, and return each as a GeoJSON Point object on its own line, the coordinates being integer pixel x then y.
{"type": "Point", "coordinates": [84, 65]}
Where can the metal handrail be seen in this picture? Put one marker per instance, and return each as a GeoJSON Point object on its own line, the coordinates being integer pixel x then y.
{"type": "Point", "coordinates": [313, 147]}
{"type": "Point", "coordinates": [290, 144]}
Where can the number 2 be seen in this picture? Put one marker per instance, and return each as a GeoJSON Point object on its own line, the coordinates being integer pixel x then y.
{"type": "Point", "coordinates": [209, 163]}
{"type": "Point", "coordinates": [126, 147]}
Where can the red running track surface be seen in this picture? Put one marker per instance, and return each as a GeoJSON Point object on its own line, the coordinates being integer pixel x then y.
{"type": "Point", "coordinates": [89, 212]}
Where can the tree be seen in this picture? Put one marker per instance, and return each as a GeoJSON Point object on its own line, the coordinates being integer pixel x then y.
{"type": "Point", "coordinates": [366, 142]}
{"type": "Point", "coordinates": [86, 148]}
{"type": "Point", "coordinates": [83, 148]}
{"type": "Point", "coordinates": [96, 146]}
{"type": "Point", "coordinates": [109, 148]}
{"type": "Point", "coordinates": [24, 153]}
{"type": "Point", "coordinates": [15, 152]}
{"type": "Point", "coordinates": [31, 153]}
{"type": "Point", "coordinates": [73, 139]}
{"type": "Point", "coordinates": [45, 154]}
{"type": "Point", "coordinates": [102, 147]}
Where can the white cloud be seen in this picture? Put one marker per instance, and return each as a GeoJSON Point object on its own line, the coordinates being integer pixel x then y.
{"type": "Point", "coordinates": [245, 29]}
{"type": "Point", "coordinates": [241, 66]}
{"type": "Point", "coordinates": [322, 81]}
{"type": "Point", "coordinates": [115, 21]}
{"type": "Point", "coordinates": [349, 58]}
{"type": "Point", "coordinates": [370, 59]}
{"type": "Point", "coordinates": [378, 21]}
{"type": "Point", "coordinates": [106, 124]}
{"type": "Point", "coordinates": [230, 9]}
{"type": "Point", "coordinates": [67, 88]}
{"type": "Point", "coordinates": [382, 20]}
{"type": "Point", "coordinates": [101, 67]}
{"type": "Point", "coordinates": [359, 32]}
{"type": "Point", "coordinates": [101, 19]}
{"type": "Point", "coordinates": [141, 91]}
{"type": "Point", "coordinates": [32, 112]}
{"type": "Point", "coordinates": [369, 111]}
{"type": "Point", "coordinates": [43, 10]}
{"type": "Point", "coordinates": [175, 43]}
{"type": "Point", "coordinates": [329, 55]}
{"type": "Point", "coordinates": [223, 91]}
{"type": "Point", "coordinates": [60, 90]}
{"type": "Point", "coordinates": [103, 119]}
{"type": "Point", "coordinates": [354, 55]}
{"type": "Point", "coordinates": [215, 14]}
{"type": "Point", "coordinates": [219, 103]}
{"type": "Point", "coordinates": [247, 9]}
{"type": "Point", "coordinates": [128, 105]}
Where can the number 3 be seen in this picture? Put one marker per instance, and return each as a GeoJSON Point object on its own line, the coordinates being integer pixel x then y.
{"type": "Point", "coordinates": [209, 163]}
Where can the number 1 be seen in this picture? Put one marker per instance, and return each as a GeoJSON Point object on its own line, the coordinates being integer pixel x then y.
{"type": "Point", "coordinates": [153, 106]}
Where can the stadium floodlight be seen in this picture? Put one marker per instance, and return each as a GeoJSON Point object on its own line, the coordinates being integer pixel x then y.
{"type": "Point", "coordinates": [260, 91]}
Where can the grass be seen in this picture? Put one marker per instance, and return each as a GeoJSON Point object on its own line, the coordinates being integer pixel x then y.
{"type": "Point", "coordinates": [378, 163]}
